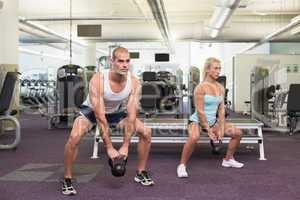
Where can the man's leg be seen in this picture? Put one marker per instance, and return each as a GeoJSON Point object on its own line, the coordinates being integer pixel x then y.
{"type": "Point", "coordinates": [80, 128]}
{"type": "Point", "coordinates": [144, 144]}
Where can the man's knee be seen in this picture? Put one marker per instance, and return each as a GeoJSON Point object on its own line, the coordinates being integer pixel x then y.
{"type": "Point", "coordinates": [80, 127]}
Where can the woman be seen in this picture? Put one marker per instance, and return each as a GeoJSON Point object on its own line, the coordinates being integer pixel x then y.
{"type": "Point", "coordinates": [210, 117]}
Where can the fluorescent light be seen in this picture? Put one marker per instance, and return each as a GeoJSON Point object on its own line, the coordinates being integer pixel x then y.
{"type": "Point", "coordinates": [222, 13]}
{"type": "Point", "coordinates": [214, 33]}
{"type": "Point", "coordinates": [219, 23]}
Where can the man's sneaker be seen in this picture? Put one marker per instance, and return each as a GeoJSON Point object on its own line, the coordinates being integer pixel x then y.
{"type": "Point", "coordinates": [181, 171]}
{"type": "Point", "coordinates": [67, 187]}
{"type": "Point", "coordinates": [143, 178]}
{"type": "Point", "coordinates": [232, 163]}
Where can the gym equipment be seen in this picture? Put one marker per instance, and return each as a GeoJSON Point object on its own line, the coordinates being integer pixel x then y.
{"type": "Point", "coordinates": [274, 100]}
{"type": "Point", "coordinates": [193, 81]}
{"type": "Point", "coordinates": [293, 107]}
{"type": "Point", "coordinates": [104, 62]}
{"type": "Point", "coordinates": [216, 147]}
{"type": "Point", "coordinates": [159, 93]}
{"type": "Point", "coordinates": [175, 132]}
{"type": "Point", "coordinates": [118, 166]}
{"type": "Point", "coordinates": [6, 114]}
{"type": "Point", "coordinates": [89, 71]}
{"type": "Point", "coordinates": [70, 94]}
{"type": "Point", "coordinates": [222, 81]}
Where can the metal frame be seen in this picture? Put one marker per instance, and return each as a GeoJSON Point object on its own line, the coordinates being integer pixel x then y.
{"type": "Point", "coordinates": [181, 124]}
{"type": "Point", "coordinates": [17, 140]}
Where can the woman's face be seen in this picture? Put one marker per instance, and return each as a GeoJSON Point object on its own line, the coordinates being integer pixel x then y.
{"type": "Point", "coordinates": [214, 70]}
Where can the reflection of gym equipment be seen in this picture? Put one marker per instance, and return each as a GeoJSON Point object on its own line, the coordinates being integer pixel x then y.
{"type": "Point", "coordinates": [69, 96]}
{"type": "Point", "coordinates": [6, 114]}
{"type": "Point", "coordinates": [194, 80]}
{"type": "Point", "coordinates": [293, 106]}
{"type": "Point", "coordinates": [89, 71]}
{"type": "Point", "coordinates": [222, 81]}
{"type": "Point", "coordinates": [36, 94]}
{"type": "Point", "coordinates": [159, 93]}
{"type": "Point", "coordinates": [104, 62]}
{"type": "Point", "coordinates": [269, 104]}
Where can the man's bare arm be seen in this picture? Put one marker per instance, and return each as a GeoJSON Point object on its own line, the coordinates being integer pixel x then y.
{"type": "Point", "coordinates": [96, 98]}
{"type": "Point", "coordinates": [132, 108]}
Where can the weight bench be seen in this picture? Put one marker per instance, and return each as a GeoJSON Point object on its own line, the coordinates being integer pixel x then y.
{"type": "Point", "coordinates": [181, 124]}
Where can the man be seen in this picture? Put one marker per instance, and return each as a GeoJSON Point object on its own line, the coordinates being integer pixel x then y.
{"type": "Point", "coordinates": [108, 91]}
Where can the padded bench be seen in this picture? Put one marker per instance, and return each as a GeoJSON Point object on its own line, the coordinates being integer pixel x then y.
{"type": "Point", "coordinates": [176, 136]}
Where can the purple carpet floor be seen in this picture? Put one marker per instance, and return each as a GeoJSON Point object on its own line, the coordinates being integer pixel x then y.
{"type": "Point", "coordinates": [32, 172]}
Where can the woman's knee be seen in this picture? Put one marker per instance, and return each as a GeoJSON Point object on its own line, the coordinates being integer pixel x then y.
{"type": "Point", "coordinates": [237, 133]}
{"type": "Point", "coordinates": [194, 137]}
{"type": "Point", "coordinates": [147, 135]}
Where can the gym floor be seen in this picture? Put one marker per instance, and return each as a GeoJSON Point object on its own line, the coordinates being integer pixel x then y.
{"type": "Point", "coordinates": [33, 170]}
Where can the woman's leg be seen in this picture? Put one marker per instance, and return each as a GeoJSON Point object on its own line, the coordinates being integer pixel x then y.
{"type": "Point", "coordinates": [236, 135]}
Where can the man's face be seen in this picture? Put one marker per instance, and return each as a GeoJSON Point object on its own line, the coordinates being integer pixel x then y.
{"type": "Point", "coordinates": [121, 63]}
{"type": "Point", "coordinates": [214, 70]}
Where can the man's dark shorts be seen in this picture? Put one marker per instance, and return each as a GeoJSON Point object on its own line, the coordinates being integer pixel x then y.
{"type": "Point", "coordinates": [112, 118]}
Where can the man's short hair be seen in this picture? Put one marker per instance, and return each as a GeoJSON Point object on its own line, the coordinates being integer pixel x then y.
{"type": "Point", "coordinates": [119, 50]}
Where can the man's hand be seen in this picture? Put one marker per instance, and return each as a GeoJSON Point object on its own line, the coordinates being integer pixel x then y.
{"type": "Point", "coordinates": [123, 151]}
{"type": "Point", "coordinates": [112, 153]}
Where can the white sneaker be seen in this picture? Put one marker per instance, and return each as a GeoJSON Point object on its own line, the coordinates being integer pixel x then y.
{"type": "Point", "coordinates": [181, 171]}
{"type": "Point", "coordinates": [232, 163]}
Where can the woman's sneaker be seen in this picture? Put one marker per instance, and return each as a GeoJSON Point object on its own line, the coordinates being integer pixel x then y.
{"type": "Point", "coordinates": [143, 178]}
{"type": "Point", "coordinates": [232, 163]}
{"type": "Point", "coordinates": [181, 171]}
{"type": "Point", "coordinates": [67, 187]}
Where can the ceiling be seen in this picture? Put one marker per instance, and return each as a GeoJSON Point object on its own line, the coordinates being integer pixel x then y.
{"type": "Point", "coordinates": [133, 20]}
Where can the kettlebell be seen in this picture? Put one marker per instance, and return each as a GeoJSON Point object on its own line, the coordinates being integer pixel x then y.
{"type": "Point", "coordinates": [216, 147]}
{"type": "Point", "coordinates": [118, 166]}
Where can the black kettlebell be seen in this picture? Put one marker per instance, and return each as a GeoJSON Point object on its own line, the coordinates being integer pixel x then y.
{"type": "Point", "coordinates": [118, 166]}
{"type": "Point", "coordinates": [216, 146]}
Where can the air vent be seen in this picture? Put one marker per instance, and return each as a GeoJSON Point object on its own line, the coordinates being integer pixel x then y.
{"type": "Point", "coordinates": [89, 30]}
{"type": "Point", "coordinates": [134, 55]}
{"type": "Point", "coordinates": [162, 57]}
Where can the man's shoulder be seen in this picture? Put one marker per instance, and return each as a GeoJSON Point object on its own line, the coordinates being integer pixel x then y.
{"type": "Point", "coordinates": [135, 80]}
{"type": "Point", "coordinates": [97, 76]}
